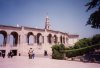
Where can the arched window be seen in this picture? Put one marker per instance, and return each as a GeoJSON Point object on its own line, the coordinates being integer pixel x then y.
{"type": "Point", "coordinates": [67, 40]}
{"type": "Point", "coordinates": [63, 39]}
{"type": "Point", "coordinates": [30, 38]}
{"type": "Point", "coordinates": [60, 39]}
{"type": "Point", "coordinates": [11, 42]}
{"type": "Point", "coordinates": [39, 39]}
{"type": "Point", "coordinates": [55, 39]}
{"type": "Point", "coordinates": [14, 38]}
{"type": "Point", "coordinates": [3, 38]}
{"type": "Point", "coordinates": [49, 38]}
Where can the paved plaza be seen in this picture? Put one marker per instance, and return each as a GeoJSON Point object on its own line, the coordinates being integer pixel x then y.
{"type": "Point", "coordinates": [40, 62]}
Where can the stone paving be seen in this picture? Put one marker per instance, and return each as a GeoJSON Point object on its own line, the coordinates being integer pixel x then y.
{"type": "Point", "coordinates": [40, 62]}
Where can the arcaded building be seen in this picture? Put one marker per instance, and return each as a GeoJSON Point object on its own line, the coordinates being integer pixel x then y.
{"type": "Point", "coordinates": [20, 39]}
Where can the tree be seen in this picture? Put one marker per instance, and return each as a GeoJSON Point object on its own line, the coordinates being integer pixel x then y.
{"type": "Point", "coordinates": [96, 39]}
{"type": "Point", "coordinates": [83, 43]}
{"type": "Point", "coordinates": [94, 19]}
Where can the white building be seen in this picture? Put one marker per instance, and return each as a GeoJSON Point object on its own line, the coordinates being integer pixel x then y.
{"type": "Point", "coordinates": [21, 39]}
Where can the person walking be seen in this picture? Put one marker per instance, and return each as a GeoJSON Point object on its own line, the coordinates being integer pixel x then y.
{"type": "Point", "coordinates": [33, 55]}
{"type": "Point", "coordinates": [3, 54]}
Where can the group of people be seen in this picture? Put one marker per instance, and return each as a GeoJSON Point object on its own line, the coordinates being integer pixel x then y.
{"type": "Point", "coordinates": [30, 54]}
{"type": "Point", "coordinates": [10, 54]}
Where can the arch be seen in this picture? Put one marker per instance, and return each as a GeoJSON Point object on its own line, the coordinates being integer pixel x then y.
{"type": "Point", "coordinates": [49, 38]}
{"type": "Point", "coordinates": [55, 39]}
{"type": "Point", "coordinates": [11, 42]}
{"type": "Point", "coordinates": [14, 38]}
{"type": "Point", "coordinates": [39, 39]}
{"type": "Point", "coordinates": [3, 38]}
{"type": "Point", "coordinates": [30, 38]}
{"type": "Point", "coordinates": [60, 39]}
{"type": "Point", "coordinates": [66, 40]}
{"type": "Point", "coordinates": [63, 39]}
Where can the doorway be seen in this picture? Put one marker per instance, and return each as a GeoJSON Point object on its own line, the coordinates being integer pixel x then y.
{"type": "Point", "coordinates": [14, 52]}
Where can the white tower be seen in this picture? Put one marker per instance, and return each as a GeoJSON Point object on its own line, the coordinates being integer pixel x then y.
{"type": "Point", "coordinates": [47, 23]}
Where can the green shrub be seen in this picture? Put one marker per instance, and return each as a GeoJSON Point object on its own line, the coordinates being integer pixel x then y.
{"type": "Point", "coordinates": [81, 51]}
{"type": "Point", "coordinates": [57, 51]}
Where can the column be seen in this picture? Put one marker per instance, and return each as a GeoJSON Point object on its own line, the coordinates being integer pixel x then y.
{"type": "Point", "coordinates": [8, 48]}
{"type": "Point", "coordinates": [18, 45]}
{"type": "Point", "coordinates": [52, 40]}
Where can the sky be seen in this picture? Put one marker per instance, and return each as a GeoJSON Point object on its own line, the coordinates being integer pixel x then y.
{"type": "Point", "coordinates": [68, 16]}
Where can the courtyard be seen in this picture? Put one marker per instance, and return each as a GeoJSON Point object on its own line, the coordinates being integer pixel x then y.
{"type": "Point", "coordinates": [43, 62]}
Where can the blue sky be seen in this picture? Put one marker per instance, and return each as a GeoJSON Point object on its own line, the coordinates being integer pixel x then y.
{"type": "Point", "coordinates": [65, 15]}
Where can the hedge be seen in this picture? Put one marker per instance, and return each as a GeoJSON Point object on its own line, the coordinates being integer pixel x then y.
{"type": "Point", "coordinates": [59, 51]}
{"type": "Point", "coordinates": [81, 51]}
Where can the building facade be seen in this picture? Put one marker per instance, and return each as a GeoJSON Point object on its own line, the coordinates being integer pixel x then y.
{"type": "Point", "coordinates": [21, 39]}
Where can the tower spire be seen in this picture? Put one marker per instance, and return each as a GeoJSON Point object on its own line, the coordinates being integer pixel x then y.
{"type": "Point", "coordinates": [47, 22]}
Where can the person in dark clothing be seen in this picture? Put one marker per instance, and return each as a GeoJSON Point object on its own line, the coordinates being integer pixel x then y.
{"type": "Point", "coordinates": [11, 54]}
{"type": "Point", "coordinates": [8, 54]}
{"type": "Point", "coordinates": [3, 54]}
{"type": "Point", "coordinates": [0, 53]}
{"type": "Point", "coordinates": [30, 53]}
{"type": "Point", "coordinates": [19, 54]}
{"type": "Point", "coordinates": [45, 53]}
{"type": "Point", "coordinates": [33, 55]}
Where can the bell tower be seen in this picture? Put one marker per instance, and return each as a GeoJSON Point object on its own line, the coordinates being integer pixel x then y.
{"type": "Point", "coordinates": [47, 23]}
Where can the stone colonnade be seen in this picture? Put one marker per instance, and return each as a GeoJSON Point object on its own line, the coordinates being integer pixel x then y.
{"type": "Point", "coordinates": [20, 39]}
